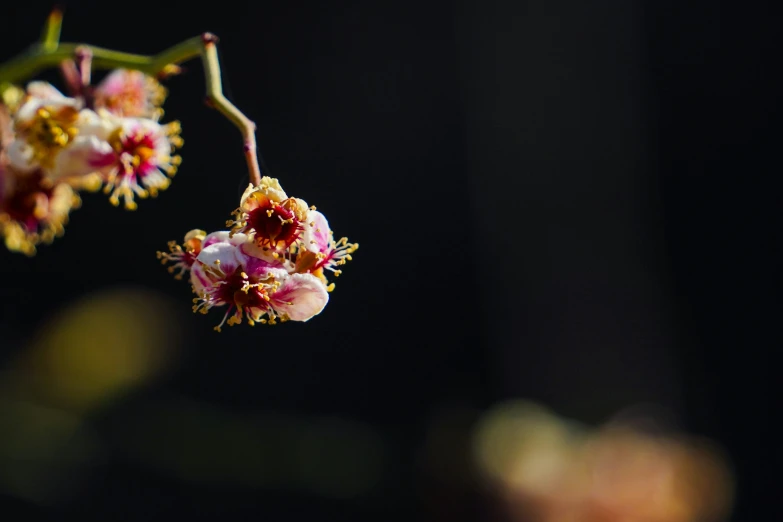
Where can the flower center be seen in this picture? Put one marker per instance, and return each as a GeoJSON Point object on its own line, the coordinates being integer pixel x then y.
{"type": "Point", "coordinates": [274, 224]}
{"type": "Point", "coordinates": [239, 291]}
{"type": "Point", "coordinates": [136, 151]}
{"type": "Point", "coordinates": [29, 203]}
{"type": "Point", "coordinates": [50, 131]}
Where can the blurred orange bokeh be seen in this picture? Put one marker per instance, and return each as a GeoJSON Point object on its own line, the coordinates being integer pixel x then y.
{"type": "Point", "coordinates": [550, 470]}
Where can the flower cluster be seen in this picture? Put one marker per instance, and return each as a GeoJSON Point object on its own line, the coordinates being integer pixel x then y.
{"type": "Point", "coordinates": [270, 266]}
{"type": "Point", "coordinates": [53, 145]}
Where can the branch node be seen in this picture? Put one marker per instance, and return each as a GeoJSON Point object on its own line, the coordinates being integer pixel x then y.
{"type": "Point", "coordinates": [209, 38]}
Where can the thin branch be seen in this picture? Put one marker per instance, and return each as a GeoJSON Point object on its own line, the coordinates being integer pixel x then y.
{"type": "Point", "coordinates": [216, 99]}
{"type": "Point", "coordinates": [166, 63]}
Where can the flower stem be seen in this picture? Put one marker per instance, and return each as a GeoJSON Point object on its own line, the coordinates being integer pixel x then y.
{"type": "Point", "coordinates": [50, 52]}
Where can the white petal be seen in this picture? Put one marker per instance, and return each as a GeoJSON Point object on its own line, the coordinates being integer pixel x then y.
{"type": "Point", "coordinates": [43, 90]}
{"type": "Point", "coordinates": [120, 80]}
{"type": "Point", "coordinates": [261, 264]}
{"type": "Point", "coordinates": [199, 278]}
{"type": "Point", "coordinates": [100, 125]}
{"type": "Point", "coordinates": [135, 125]}
{"type": "Point", "coordinates": [20, 156]}
{"type": "Point", "coordinates": [269, 187]}
{"type": "Point", "coordinates": [249, 190]}
{"type": "Point", "coordinates": [220, 255]}
{"type": "Point", "coordinates": [223, 236]}
{"type": "Point", "coordinates": [28, 110]}
{"type": "Point", "coordinates": [83, 156]}
{"type": "Point", "coordinates": [301, 297]}
{"type": "Point", "coordinates": [317, 236]}
{"type": "Point", "coordinates": [238, 239]}
{"type": "Point", "coordinates": [215, 237]}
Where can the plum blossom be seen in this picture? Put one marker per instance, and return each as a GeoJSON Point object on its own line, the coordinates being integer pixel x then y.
{"type": "Point", "coordinates": [269, 216]}
{"type": "Point", "coordinates": [183, 256]}
{"type": "Point", "coordinates": [271, 266]}
{"type": "Point", "coordinates": [320, 251]}
{"type": "Point", "coordinates": [131, 94]}
{"type": "Point", "coordinates": [142, 161]}
{"type": "Point", "coordinates": [232, 271]}
{"type": "Point", "coordinates": [55, 134]}
{"type": "Point", "coordinates": [33, 211]}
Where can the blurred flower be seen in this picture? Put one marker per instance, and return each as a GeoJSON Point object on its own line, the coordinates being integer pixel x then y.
{"type": "Point", "coordinates": [550, 470]}
{"type": "Point", "coordinates": [131, 94]}
{"type": "Point", "coordinates": [34, 211]}
{"type": "Point", "coordinates": [142, 159]}
{"type": "Point", "coordinates": [56, 135]}
{"type": "Point", "coordinates": [121, 145]}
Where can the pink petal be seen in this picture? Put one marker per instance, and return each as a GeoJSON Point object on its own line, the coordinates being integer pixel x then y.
{"type": "Point", "coordinates": [85, 155]}
{"type": "Point", "coordinates": [301, 297]}
{"type": "Point", "coordinates": [118, 81]}
{"type": "Point", "coordinates": [260, 263]}
{"type": "Point", "coordinates": [199, 279]}
{"type": "Point", "coordinates": [317, 238]}
{"type": "Point", "coordinates": [220, 255]}
{"type": "Point", "coordinates": [215, 237]}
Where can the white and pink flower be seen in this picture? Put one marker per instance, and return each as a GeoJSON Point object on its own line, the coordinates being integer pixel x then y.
{"type": "Point", "coordinates": [232, 271]}
{"type": "Point", "coordinates": [141, 162]}
{"type": "Point", "coordinates": [318, 239]}
{"type": "Point", "coordinates": [131, 94]}
{"type": "Point", "coordinates": [271, 266]}
{"type": "Point", "coordinates": [33, 211]}
{"type": "Point", "coordinates": [56, 135]}
{"type": "Point", "coordinates": [183, 256]}
{"type": "Point", "coordinates": [269, 216]}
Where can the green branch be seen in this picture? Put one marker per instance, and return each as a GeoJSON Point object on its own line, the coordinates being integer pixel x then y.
{"type": "Point", "coordinates": [49, 53]}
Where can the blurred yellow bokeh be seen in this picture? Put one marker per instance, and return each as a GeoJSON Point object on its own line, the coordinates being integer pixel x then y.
{"type": "Point", "coordinates": [89, 354]}
{"type": "Point", "coordinates": [98, 348]}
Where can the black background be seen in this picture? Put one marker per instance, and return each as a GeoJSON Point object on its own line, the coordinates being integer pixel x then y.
{"type": "Point", "coordinates": [573, 202]}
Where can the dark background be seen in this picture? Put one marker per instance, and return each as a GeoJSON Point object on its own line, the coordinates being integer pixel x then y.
{"type": "Point", "coordinates": [573, 202]}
